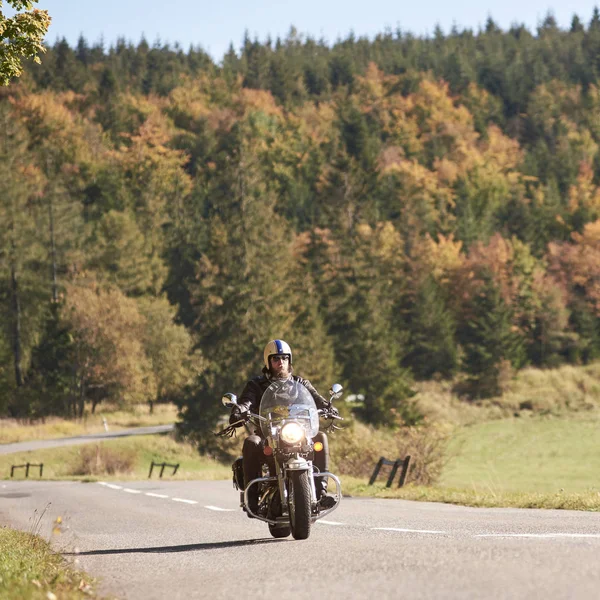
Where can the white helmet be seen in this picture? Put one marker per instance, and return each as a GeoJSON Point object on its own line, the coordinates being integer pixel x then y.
{"type": "Point", "coordinates": [276, 347]}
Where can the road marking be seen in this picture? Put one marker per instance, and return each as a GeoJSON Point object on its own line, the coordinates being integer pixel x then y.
{"type": "Point", "coordinates": [156, 495]}
{"type": "Point", "coordinates": [404, 530]}
{"type": "Point", "coordinates": [130, 491]}
{"type": "Point", "coordinates": [541, 535]}
{"type": "Point", "coordinates": [220, 509]}
{"type": "Point", "coordinates": [184, 500]}
{"type": "Point", "coordinates": [112, 486]}
{"type": "Point", "coordinates": [330, 522]}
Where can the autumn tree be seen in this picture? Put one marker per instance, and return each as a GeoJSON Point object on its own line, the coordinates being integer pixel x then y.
{"type": "Point", "coordinates": [22, 36]}
{"type": "Point", "coordinates": [107, 357]}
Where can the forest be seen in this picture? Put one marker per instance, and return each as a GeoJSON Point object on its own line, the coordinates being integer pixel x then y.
{"type": "Point", "coordinates": [398, 209]}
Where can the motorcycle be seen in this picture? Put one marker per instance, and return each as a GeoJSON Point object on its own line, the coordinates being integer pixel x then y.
{"type": "Point", "coordinates": [287, 422]}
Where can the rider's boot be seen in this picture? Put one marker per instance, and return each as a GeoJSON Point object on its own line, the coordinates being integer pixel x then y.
{"type": "Point", "coordinates": [324, 501]}
{"type": "Point", "coordinates": [253, 500]}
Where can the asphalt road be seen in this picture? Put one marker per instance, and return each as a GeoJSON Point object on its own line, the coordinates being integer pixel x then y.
{"type": "Point", "coordinates": [175, 540]}
{"type": "Point", "coordinates": [82, 439]}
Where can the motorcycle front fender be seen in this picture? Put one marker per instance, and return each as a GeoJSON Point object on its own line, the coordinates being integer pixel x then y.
{"type": "Point", "coordinates": [298, 464]}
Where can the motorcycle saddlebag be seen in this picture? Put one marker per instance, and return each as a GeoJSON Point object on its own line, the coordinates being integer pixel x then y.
{"type": "Point", "coordinates": [238, 474]}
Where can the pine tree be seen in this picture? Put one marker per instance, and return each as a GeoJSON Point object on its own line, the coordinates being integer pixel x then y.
{"type": "Point", "coordinates": [20, 251]}
{"type": "Point", "coordinates": [491, 347]}
{"type": "Point", "coordinates": [432, 345]}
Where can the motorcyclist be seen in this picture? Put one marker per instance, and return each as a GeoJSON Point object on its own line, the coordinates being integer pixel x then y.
{"type": "Point", "coordinates": [277, 357]}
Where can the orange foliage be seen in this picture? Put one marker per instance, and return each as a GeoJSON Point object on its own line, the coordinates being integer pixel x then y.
{"type": "Point", "coordinates": [107, 329]}
{"type": "Point", "coordinates": [584, 194]}
{"type": "Point", "coordinates": [259, 100]}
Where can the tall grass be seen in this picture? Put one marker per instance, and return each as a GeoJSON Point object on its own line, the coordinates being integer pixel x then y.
{"type": "Point", "coordinates": [29, 570]}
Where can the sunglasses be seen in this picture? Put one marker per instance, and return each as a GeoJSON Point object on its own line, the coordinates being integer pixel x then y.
{"type": "Point", "coordinates": [280, 357]}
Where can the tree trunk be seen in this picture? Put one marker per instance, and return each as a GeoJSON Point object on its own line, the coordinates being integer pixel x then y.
{"type": "Point", "coordinates": [16, 325]}
{"type": "Point", "coordinates": [53, 249]}
{"type": "Point", "coordinates": [81, 402]}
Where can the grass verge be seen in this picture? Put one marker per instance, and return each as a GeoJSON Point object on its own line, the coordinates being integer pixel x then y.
{"type": "Point", "coordinates": [30, 570]}
{"type": "Point", "coordinates": [589, 500]}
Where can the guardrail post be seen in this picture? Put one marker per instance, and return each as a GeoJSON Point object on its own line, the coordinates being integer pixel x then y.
{"type": "Point", "coordinates": [41, 468]}
{"type": "Point", "coordinates": [151, 469]}
{"type": "Point", "coordinates": [27, 471]}
{"type": "Point", "coordinates": [404, 471]}
{"type": "Point", "coordinates": [162, 470]}
{"type": "Point", "coordinates": [393, 473]}
{"type": "Point", "coordinates": [175, 469]}
{"type": "Point", "coordinates": [376, 471]}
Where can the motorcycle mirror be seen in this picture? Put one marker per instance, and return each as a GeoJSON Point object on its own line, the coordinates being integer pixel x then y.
{"type": "Point", "coordinates": [336, 390]}
{"type": "Point", "coordinates": [229, 400]}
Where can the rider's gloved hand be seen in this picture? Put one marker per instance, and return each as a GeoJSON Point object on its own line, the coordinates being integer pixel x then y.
{"type": "Point", "coordinates": [236, 415]}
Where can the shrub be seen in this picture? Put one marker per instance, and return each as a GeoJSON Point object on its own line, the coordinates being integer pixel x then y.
{"type": "Point", "coordinates": [356, 450]}
{"type": "Point", "coordinates": [100, 460]}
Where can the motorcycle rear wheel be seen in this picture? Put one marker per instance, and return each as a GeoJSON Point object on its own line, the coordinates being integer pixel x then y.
{"type": "Point", "coordinates": [279, 532]}
{"type": "Point", "coordinates": [299, 502]}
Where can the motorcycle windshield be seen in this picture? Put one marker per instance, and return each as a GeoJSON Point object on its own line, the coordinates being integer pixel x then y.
{"type": "Point", "coordinates": [287, 400]}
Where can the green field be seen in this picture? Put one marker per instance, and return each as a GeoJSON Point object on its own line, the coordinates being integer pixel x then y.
{"type": "Point", "coordinates": [544, 455]}
{"type": "Point", "coordinates": [537, 462]}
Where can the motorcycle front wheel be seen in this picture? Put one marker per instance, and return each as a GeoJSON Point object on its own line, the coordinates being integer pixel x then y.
{"type": "Point", "coordinates": [299, 504]}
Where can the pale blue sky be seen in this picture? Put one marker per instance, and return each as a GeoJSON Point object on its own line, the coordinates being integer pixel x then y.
{"type": "Point", "coordinates": [214, 24]}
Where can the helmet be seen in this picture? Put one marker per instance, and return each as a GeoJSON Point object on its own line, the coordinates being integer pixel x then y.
{"type": "Point", "coordinates": [276, 347]}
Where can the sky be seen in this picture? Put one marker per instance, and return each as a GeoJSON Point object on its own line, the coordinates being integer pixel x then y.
{"type": "Point", "coordinates": [214, 24]}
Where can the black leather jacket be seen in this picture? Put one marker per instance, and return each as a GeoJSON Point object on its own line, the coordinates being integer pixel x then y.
{"type": "Point", "coordinates": [256, 387]}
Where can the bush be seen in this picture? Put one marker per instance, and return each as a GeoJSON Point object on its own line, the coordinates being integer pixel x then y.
{"type": "Point", "coordinates": [356, 450]}
{"type": "Point", "coordinates": [100, 460]}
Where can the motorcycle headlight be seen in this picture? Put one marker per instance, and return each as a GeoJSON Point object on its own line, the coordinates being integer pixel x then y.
{"type": "Point", "coordinates": [292, 433]}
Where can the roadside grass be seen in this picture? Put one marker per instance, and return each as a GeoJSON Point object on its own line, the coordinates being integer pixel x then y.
{"type": "Point", "coordinates": [13, 430]}
{"type": "Point", "coordinates": [537, 462]}
{"type": "Point", "coordinates": [127, 458]}
{"type": "Point", "coordinates": [479, 497]}
{"type": "Point", "coordinates": [29, 570]}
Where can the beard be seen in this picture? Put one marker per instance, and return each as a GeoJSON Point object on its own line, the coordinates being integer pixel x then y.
{"type": "Point", "coordinates": [283, 371]}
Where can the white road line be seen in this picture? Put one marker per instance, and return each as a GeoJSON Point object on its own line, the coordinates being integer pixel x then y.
{"type": "Point", "coordinates": [404, 530]}
{"type": "Point", "coordinates": [218, 508]}
{"type": "Point", "coordinates": [112, 486]}
{"type": "Point", "coordinates": [130, 491]}
{"type": "Point", "coordinates": [184, 500]}
{"type": "Point", "coordinates": [156, 495]}
{"type": "Point", "coordinates": [330, 522]}
{"type": "Point", "coordinates": [541, 535]}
